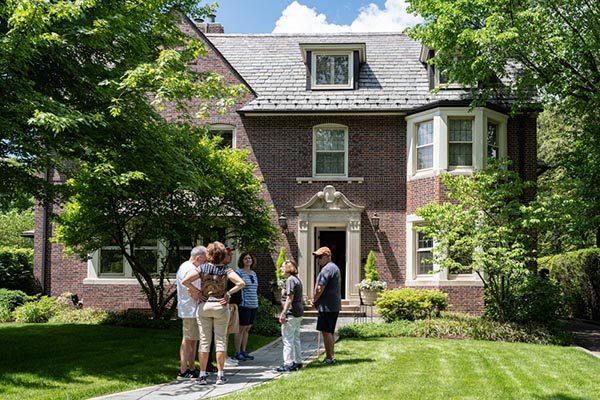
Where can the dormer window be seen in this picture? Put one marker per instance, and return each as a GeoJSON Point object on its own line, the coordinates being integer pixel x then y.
{"type": "Point", "coordinates": [332, 70]}
{"type": "Point", "coordinates": [333, 66]}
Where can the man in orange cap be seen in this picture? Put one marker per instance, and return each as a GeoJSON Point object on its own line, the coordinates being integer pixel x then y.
{"type": "Point", "coordinates": [328, 300]}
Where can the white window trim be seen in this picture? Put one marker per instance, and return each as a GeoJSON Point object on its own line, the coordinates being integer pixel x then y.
{"type": "Point", "coordinates": [313, 78]}
{"type": "Point", "coordinates": [223, 127]}
{"type": "Point", "coordinates": [417, 147]}
{"type": "Point", "coordinates": [314, 151]}
{"type": "Point", "coordinates": [440, 117]}
{"type": "Point", "coordinates": [440, 276]}
{"type": "Point", "coordinates": [472, 141]}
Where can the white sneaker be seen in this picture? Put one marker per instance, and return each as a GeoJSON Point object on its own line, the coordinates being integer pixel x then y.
{"type": "Point", "coordinates": [230, 362]}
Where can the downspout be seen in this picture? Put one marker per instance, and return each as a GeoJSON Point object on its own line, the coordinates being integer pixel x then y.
{"type": "Point", "coordinates": [44, 237]}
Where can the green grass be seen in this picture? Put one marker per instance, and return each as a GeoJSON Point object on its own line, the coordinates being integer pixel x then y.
{"type": "Point", "coordinates": [414, 368]}
{"type": "Point", "coordinates": [63, 361]}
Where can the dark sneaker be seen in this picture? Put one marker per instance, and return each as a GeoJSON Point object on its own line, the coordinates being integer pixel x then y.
{"type": "Point", "coordinates": [329, 361]}
{"type": "Point", "coordinates": [202, 380]}
{"type": "Point", "coordinates": [297, 365]}
{"type": "Point", "coordinates": [221, 380]}
{"type": "Point", "coordinates": [284, 369]}
{"type": "Point", "coordinates": [184, 376]}
{"type": "Point", "coordinates": [248, 356]}
{"type": "Point", "coordinates": [240, 356]}
{"type": "Point", "coordinates": [195, 373]}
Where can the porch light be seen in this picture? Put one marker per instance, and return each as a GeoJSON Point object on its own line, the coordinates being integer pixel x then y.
{"type": "Point", "coordinates": [283, 222]}
{"type": "Point", "coordinates": [375, 221]}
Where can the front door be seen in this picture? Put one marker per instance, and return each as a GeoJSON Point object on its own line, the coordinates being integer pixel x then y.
{"type": "Point", "coordinates": [336, 241]}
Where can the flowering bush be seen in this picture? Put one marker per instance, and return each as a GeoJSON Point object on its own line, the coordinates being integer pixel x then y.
{"type": "Point", "coordinates": [372, 285]}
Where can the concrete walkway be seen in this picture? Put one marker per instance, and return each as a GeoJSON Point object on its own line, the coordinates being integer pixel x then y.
{"type": "Point", "coordinates": [247, 374]}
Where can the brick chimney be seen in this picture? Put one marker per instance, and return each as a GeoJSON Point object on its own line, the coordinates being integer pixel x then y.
{"type": "Point", "coordinates": [209, 27]}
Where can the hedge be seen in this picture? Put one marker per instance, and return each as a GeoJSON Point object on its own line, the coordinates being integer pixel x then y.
{"type": "Point", "coordinates": [16, 269]}
{"type": "Point", "coordinates": [578, 275]}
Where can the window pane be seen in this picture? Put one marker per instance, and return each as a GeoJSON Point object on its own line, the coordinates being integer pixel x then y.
{"type": "Point", "coordinates": [492, 140]}
{"type": "Point", "coordinates": [460, 130]}
{"type": "Point", "coordinates": [111, 261]}
{"type": "Point", "coordinates": [330, 163]}
{"type": "Point", "coordinates": [424, 267]}
{"type": "Point", "coordinates": [148, 259]}
{"type": "Point", "coordinates": [425, 157]}
{"type": "Point", "coordinates": [226, 134]}
{"type": "Point", "coordinates": [425, 133]}
{"type": "Point", "coordinates": [332, 70]}
{"type": "Point", "coordinates": [461, 154]}
{"type": "Point", "coordinates": [330, 139]}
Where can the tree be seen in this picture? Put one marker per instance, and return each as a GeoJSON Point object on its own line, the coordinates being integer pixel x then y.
{"type": "Point", "coordinates": [484, 227]}
{"type": "Point", "coordinates": [513, 50]}
{"type": "Point", "coordinates": [75, 76]}
{"type": "Point", "coordinates": [204, 191]}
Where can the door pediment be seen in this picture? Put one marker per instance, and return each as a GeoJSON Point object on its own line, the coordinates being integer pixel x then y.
{"type": "Point", "coordinates": [329, 199]}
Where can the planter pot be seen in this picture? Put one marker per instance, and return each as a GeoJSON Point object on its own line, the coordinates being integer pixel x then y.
{"type": "Point", "coordinates": [368, 296]}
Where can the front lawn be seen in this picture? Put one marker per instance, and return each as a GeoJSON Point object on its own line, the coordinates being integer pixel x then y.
{"type": "Point", "coordinates": [415, 368]}
{"type": "Point", "coordinates": [64, 361]}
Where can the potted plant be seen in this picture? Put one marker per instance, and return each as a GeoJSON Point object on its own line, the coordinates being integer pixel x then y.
{"type": "Point", "coordinates": [370, 286]}
{"type": "Point", "coordinates": [278, 283]}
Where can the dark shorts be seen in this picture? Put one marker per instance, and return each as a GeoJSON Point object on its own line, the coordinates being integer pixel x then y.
{"type": "Point", "coordinates": [326, 321]}
{"type": "Point", "coordinates": [247, 315]}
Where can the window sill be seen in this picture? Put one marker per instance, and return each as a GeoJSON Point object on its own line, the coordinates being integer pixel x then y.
{"type": "Point", "coordinates": [474, 282]}
{"type": "Point", "coordinates": [329, 179]}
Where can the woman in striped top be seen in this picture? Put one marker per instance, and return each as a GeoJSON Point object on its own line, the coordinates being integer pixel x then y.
{"type": "Point", "coordinates": [249, 305]}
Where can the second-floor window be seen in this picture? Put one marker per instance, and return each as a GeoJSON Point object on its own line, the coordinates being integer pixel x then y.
{"type": "Point", "coordinates": [332, 70]}
{"type": "Point", "coordinates": [460, 142]}
{"type": "Point", "coordinates": [330, 149]}
{"type": "Point", "coordinates": [226, 132]}
{"type": "Point", "coordinates": [425, 145]}
{"type": "Point", "coordinates": [492, 140]}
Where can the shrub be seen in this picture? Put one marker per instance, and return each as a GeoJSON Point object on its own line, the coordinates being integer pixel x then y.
{"type": "Point", "coordinates": [459, 326]}
{"type": "Point", "coordinates": [72, 315]}
{"type": "Point", "coordinates": [266, 323]}
{"type": "Point", "coordinates": [39, 310]}
{"type": "Point", "coordinates": [16, 269]}
{"type": "Point", "coordinates": [411, 304]}
{"type": "Point", "coordinates": [9, 300]}
{"type": "Point", "coordinates": [578, 275]}
{"type": "Point", "coordinates": [138, 319]}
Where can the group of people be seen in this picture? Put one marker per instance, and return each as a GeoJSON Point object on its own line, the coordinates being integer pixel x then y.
{"type": "Point", "coordinates": [215, 301]}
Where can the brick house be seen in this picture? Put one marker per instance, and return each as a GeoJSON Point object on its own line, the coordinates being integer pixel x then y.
{"type": "Point", "coordinates": [349, 140]}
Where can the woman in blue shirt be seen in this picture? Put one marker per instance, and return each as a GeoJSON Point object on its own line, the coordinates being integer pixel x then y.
{"type": "Point", "coordinates": [249, 305]}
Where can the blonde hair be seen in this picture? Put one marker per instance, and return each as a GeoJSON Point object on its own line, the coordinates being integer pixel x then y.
{"type": "Point", "coordinates": [290, 267]}
{"type": "Point", "coordinates": [216, 253]}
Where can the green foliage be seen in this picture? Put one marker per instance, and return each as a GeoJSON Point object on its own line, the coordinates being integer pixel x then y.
{"type": "Point", "coordinates": [72, 315]}
{"type": "Point", "coordinates": [9, 300]}
{"type": "Point", "coordinates": [266, 323]}
{"type": "Point", "coordinates": [459, 326]}
{"type": "Point", "coordinates": [16, 269]}
{"type": "Point", "coordinates": [370, 270]}
{"type": "Point", "coordinates": [280, 260]}
{"type": "Point", "coordinates": [410, 304]}
{"type": "Point", "coordinates": [39, 310]}
{"type": "Point", "coordinates": [486, 227]}
{"type": "Point", "coordinates": [578, 275]}
{"type": "Point", "coordinates": [12, 223]}
{"type": "Point", "coordinates": [137, 319]}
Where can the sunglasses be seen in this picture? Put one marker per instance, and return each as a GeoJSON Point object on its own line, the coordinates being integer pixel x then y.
{"type": "Point", "coordinates": [252, 278]}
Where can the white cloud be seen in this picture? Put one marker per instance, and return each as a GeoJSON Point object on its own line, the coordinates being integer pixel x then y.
{"type": "Point", "coordinates": [298, 18]}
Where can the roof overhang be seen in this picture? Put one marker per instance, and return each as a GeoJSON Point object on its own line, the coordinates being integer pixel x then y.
{"type": "Point", "coordinates": [360, 47]}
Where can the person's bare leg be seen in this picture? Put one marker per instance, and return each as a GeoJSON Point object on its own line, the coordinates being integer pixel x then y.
{"type": "Point", "coordinates": [221, 360]}
{"type": "Point", "coordinates": [329, 341]}
{"type": "Point", "coordinates": [203, 357]}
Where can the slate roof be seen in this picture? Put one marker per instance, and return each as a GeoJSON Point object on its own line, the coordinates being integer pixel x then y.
{"type": "Point", "coordinates": [392, 79]}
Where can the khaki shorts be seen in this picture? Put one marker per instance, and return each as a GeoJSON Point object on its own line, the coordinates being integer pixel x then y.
{"type": "Point", "coordinates": [213, 318]}
{"type": "Point", "coordinates": [190, 329]}
{"type": "Point", "coordinates": [234, 320]}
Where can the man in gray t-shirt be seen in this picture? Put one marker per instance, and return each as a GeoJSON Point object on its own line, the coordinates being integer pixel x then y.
{"type": "Point", "coordinates": [327, 299]}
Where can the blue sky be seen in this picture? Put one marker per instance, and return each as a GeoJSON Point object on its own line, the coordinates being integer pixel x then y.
{"type": "Point", "coordinates": [308, 16]}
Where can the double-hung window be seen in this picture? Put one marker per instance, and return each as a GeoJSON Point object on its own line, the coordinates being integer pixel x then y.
{"type": "Point", "coordinates": [460, 142]}
{"type": "Point", "coordinates": [425, 145]}
{"type": "Point", "coordinates": [492, 140]}
{"type": "Point", "coordinates": [424, 255]}
{"type": "Point", "coordinates": [332, 70]}
{"type": "Point", "coordinates": [330, 144]}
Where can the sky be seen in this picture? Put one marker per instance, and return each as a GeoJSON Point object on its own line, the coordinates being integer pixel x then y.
{"type": "Point", "coordinates": [313, 16]}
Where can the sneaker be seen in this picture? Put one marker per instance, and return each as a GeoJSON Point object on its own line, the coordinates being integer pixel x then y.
{"type": "Point", "coordinates": [195, 373]}
{"type": "Point", "coordinates": [212, 369]}
{"type": "Point", "coordinates": [202, 380]}
{"type": "Point", "coordinates": [231, 362]}
{"type": "Point", "coordinates": [329, 361]}
{"type": "Point", "coordinates": [297, 365]}
{"type": "Point", "coordinates": [184, 376]}
{"type": "Point", "coordinates": [221, 380]}
{"type": "Point", "coordinates": [248, 356]}
{"type": "Point", "coordinates": [284, 369]}
{"type": "Point", "coordinates": [239, 356]}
